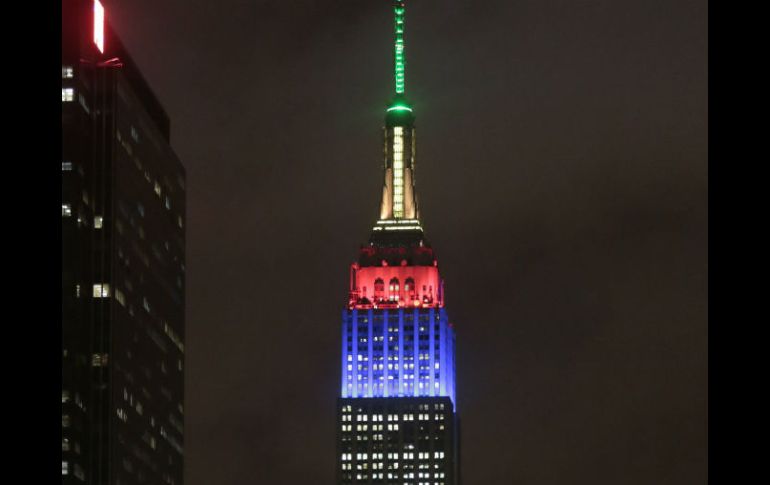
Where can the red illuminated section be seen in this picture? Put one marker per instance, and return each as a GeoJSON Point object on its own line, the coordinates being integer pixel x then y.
{"type": "Point", "coordinates": [402, 286]}
{"type": "Point", "coordinates": [99, 26]}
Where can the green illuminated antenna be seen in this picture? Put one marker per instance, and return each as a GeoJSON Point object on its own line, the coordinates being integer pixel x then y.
{"type": "Point", "coordinates": [399, 65]}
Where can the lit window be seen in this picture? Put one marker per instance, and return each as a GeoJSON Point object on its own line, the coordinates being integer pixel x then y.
{"type": "Point", "coordinates": [98, 222]}
{"type": "Point", "coordinates": [67, 72]}
{"type": "Point", "coordinates": [67, 95]}
{"type": "Point", "coordinates": [65, 468]}
{"type": "Point", "coordinates": [101, 290]}
{"type": "Point", "coordinates": [65, 396]}
{"type": "Point", "coordinates": [66, 166]}
{"type": "Point", "coordinates": [394, 288]}
{"type": "Point", "coordinates": [66, 210]}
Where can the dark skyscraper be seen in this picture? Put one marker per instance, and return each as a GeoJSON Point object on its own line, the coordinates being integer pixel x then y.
{"type": "Point", "coordinates": [397, 415]}
{"type": "Point", "coordinates": [123, 266]}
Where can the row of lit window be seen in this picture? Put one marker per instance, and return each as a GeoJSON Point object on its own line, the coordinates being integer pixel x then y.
{"type": "Point", "coordinates": [409, 366]}
{"type": "Point", "coordinates": [408, 329]}
{"type": "Point", "coordinates": [376, 338]}
{"type": "Point", "coordinates": [394, 456]}
{"type": "Point", "coordinates": [405, 378]}
{"type": "Point", "coordinates": [407, 387]}
{"type": "Point", "coordinates": [392, 356]}
{"type": "Point", "coordinates": [395, 417]}
{"type": "Point", "coordinates": [393, 346]}
{"type": "Point", "coordinates": [394, 317]}
{"type": "Point", "coordinates": [365, 427]}
{"type": "Point", "coordinates": [364, 477]}
{"type": "Point", "coordinates": [375, 367]}
{"type": "Point", "coordinates": [347, 409]}
{"type": "Point", "coordinates": [393, 466]}
{"type": "Point", "coordinates": [407, 455]}
{"type": "Point", "coordinates": [381, 358]}
{"type": "Point", "coordinates": [66, 211]}
{"type": "Point", "coordinates": [347, 428]}
{"type": "Point", "coordinates": [391, 366]}
{"type": "Point", "coordinates": [393, 350]}
{"type": "Point", "coordinates": [393, 476]}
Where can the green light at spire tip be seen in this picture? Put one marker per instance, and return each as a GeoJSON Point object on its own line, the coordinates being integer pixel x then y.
{"type": "Point", "coordinates": [399, 64]}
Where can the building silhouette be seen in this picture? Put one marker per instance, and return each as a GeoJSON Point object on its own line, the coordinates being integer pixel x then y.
{"type": "Point", "coordinates": [397, 414]}
{"type": "Point", "coordinates": [123, 266]}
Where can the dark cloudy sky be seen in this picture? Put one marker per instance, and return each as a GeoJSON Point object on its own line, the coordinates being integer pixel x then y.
{"type": "Point", "coordinates": [562, 169]}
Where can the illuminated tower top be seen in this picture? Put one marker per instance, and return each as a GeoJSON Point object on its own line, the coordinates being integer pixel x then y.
{"type": "Point", "coordinates": [398, 267]}
{"type": "Point", "coordinates": [398, 345]}
{"type": "Point", "coordinates": [399, 209]}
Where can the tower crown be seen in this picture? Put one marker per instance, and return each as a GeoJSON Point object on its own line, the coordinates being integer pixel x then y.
{"type": "Point", "coordinates": [399, 209]}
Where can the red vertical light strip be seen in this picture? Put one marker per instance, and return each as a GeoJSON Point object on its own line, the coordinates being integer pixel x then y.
{"type": "Point", "coordinates": [99, 25]}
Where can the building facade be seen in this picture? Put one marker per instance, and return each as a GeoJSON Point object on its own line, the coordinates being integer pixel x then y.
{"type": "Point", "coordinates": [123, 266]}
{"type": "Point", "coordinates": [397, 414]}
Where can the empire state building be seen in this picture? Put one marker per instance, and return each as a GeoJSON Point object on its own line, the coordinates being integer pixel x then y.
{"type": "Point", "coordinates": [397, 419]}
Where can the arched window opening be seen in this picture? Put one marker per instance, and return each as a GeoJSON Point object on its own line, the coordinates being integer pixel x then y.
{"type": "Point", "coordinates": [379, 289]}
{"type": "Point", "coordinates": [410, 289]}
{"type": "Point", "coordinates": [394, 289]}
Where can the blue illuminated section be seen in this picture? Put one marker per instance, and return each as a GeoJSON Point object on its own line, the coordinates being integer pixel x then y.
{"type": "Point", "coordinates": [401, 352]}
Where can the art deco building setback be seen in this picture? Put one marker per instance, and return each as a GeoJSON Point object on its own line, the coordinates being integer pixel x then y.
{"type": "Point", "coordinates": [123, 266]}
{"type": "Point", "coordinates": [397, 414]}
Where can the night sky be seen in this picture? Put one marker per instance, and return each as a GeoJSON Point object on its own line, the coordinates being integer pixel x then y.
{"type": "Point", "coordinates": [562, 173]}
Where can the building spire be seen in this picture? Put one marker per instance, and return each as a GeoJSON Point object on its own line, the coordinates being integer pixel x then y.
{"type": "Point", "coordinates": [398, 209]}
{"type": "Point", "coordinates": [399, 64]}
